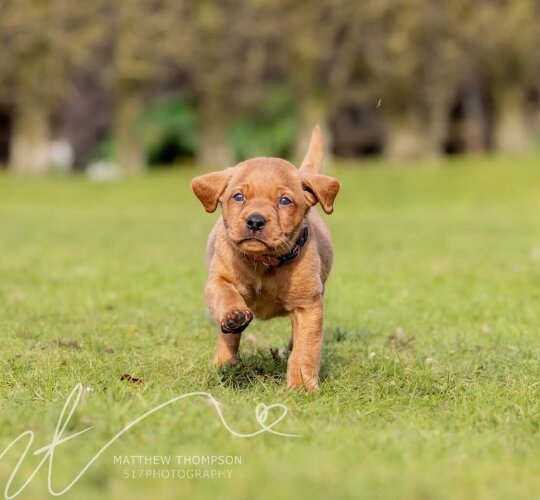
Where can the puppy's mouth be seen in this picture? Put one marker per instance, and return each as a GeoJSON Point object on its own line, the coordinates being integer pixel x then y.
{"type": "Point", "coordinates": [254, 244]}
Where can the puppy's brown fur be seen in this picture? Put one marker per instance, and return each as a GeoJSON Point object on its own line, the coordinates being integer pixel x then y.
{"type": "Point", "coordinates": [240, 286]}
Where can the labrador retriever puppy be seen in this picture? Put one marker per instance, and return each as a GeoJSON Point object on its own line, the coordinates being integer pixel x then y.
{"type": "Point", "coordinates": [270, 253]}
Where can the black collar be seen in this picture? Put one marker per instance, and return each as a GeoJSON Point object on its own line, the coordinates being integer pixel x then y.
{"type": "Point", "coordinates": [273, 261]}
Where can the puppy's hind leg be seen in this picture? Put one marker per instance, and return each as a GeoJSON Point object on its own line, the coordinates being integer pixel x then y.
{"type": "Point", "coordinates": [304, 361]}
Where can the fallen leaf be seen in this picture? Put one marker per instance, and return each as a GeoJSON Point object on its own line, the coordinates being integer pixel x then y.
{"type": "Point", "coordinates": [129, 378]}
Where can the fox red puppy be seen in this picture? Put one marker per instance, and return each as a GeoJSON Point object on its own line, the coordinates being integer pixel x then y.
{"type": "Point", "coordinates": [270, 253]}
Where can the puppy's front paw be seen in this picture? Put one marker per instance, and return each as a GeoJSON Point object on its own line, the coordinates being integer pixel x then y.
{"type": "Point", "coordinates": [236, 320]}
{"type": "Point", "coordinates": [224, 358]}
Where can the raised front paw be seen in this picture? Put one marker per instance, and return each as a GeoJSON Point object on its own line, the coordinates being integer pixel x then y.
{"type": "Point", "coordinates": [236, 320]}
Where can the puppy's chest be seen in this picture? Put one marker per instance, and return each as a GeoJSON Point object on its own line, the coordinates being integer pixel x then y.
{"type": "Point", "coordinates": [265, 296]}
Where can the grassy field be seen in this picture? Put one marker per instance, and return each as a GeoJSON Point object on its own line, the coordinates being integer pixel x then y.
{"type": "Point", "coordinates": [430, 379]}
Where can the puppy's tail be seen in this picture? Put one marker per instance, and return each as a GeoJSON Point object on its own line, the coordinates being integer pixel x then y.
{"type": "Point", "coordinates": [314, 157]}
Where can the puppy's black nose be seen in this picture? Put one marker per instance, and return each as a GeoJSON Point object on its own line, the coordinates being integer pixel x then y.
{"type": "Point", "coordinates": [255, 222]}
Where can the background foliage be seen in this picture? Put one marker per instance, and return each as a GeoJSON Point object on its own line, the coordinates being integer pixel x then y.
{"type": "Point", "coordinates": [409, 79]}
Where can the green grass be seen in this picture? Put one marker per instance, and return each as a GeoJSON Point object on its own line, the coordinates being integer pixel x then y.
{"type": "Point", "coordinates": [430, 378]}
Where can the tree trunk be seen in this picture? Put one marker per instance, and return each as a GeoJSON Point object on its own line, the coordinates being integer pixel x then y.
{"type": "Point", "coordinates": [436, 130]}
{"type": "Point", "coordinates": [311, 111]}
{"type": "Point", "coordinates": [29, 141]}
{"type": "Point", "coordinates": [129, 147]}
{"type": "Point", "coordinates": [403, 138]}
{"type": "Point", "coordinates": [474, 132]}
{"type": "Point", "coordinates": [214, 150]}
{"type": "Point", "coordinates": [512, 135]}
{"type": "Point", "coordinates": [534, 119]}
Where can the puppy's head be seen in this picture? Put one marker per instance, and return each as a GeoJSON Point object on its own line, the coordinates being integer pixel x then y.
{"type": "Point", "coordinates": [264, 200]}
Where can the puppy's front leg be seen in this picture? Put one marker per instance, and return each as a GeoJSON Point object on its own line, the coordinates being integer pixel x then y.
{"type": "Point", "coordinates": [305, 359]}
{"type": "Point", "coordinates": [229, 309]}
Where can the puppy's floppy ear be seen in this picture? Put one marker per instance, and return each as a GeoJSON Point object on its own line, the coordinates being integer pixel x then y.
{"type": "Point", "coordinates": [209, 188]}
{"type": "Point", "coordinates": [320, 188]}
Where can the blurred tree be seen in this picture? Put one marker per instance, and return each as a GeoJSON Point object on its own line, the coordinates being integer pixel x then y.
{"type": "Point", "coordinates": [140, 32]}
{"type": "Point", "coordinates": [413, 67]}
{"type": "Point", "coordinates": [511, 58]}
{"type": "Point", "coordinates": [213, 58]}
{"type": "Point", "coordinates": [499, 42]}
{"type": "Point", "coordinates": [468, 23]}
{"type": "Point", "coordinates": [220, 46]}
{"type": "Point", "coordinates": [321, 41]}
{"type": "Point", "coordinates": [426, 62]}
{"type": "Point", "coordinates": [42, 41]}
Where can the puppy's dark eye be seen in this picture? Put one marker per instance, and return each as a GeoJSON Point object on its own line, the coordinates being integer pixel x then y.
{"type": "Point", "coordinates": [238, 197]}
{"type": "Point", "coordinates": [284, 201]}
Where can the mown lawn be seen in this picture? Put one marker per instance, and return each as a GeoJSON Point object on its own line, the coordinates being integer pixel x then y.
{"type": "Point", "coordinates": [431, 362]}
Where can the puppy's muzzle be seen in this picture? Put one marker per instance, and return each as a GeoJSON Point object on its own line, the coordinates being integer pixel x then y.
{"type": "Point", "coordinates": [255, 222]}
